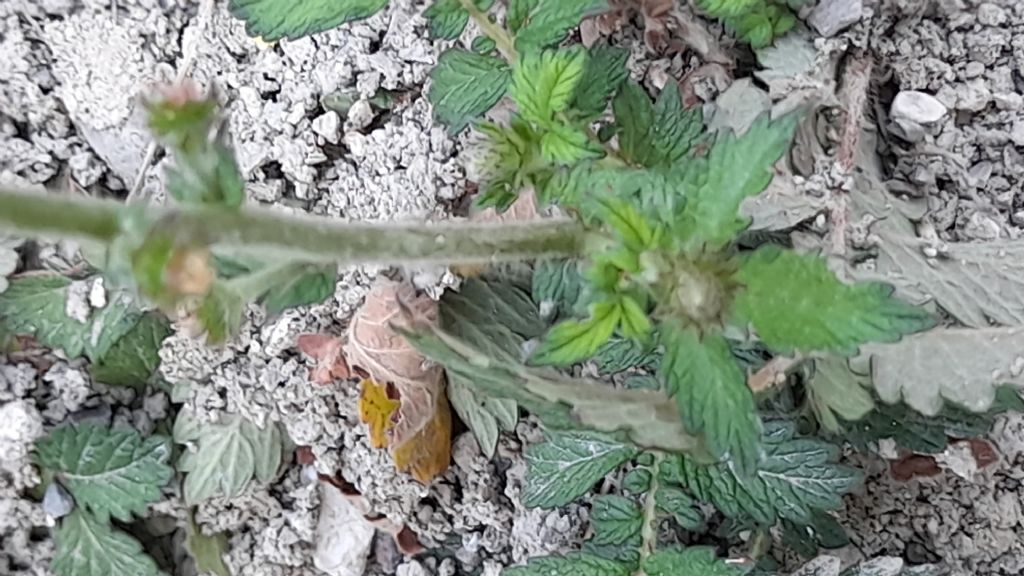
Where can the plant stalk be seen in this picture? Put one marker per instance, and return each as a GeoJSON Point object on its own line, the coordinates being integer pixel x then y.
{"type": "Point", "coordinates": [502, 39]}
{"type": "Point", "coordinates": [649, 529]}
{"type": "Point", "coordinates": [270, 234]}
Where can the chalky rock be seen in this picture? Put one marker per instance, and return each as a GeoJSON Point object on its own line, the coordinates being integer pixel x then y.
{"type": "Point", "coordinates": [915, 112]}
{"type": "Point", "coordinates": [57, 503]}
{"type": "Point", "coordinates": [830, 17]}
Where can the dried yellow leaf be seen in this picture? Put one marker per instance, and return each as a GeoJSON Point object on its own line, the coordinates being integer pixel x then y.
{"type": "Point", "coordinates": [374, 346]}
{"type": "Point", "coordinates": [376, 409]}
{"type": "Point", "coordinates": [427, 454]}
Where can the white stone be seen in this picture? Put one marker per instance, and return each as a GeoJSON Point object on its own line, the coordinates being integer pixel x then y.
{"type": "Point", "coordinates": [343, 536]}
{"type": "Point", "coordinates": [831, 16]}
{"type": "Point", "coordinates": [917, 107]}
{"type": "Point", "coordinates": [328, 125]}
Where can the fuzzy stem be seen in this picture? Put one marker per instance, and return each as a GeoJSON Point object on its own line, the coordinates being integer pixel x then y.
{"type": "Point", "coordinates": [273, 235]}
{"type": "Point", "coordinates": [649, 529]}
{"type": "Point", "coordinates": [502, 40]}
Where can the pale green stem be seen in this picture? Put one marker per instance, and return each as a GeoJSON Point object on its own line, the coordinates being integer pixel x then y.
{"type": "Point", "coordinates": [502, 39]}
{"type": "Point", "coordinates": [273, 235]}
{"type": "Point", "coordinates": [649, 529]}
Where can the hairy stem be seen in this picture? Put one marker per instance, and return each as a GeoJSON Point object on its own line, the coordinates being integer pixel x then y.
{"type": "Point", "coordinates": [649, 529]}
{"type": "Point", "coordinates": [502, 39]}
{"type": "Point", "coordinates": [272, 235]}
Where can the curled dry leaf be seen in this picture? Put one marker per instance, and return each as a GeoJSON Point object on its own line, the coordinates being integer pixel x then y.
{"type": "Point", "coordinates": [330, 361]}
{"type": "Point", "coordinates": [377, 408]}
{"type": "Point", "coordinates": [418, 432]}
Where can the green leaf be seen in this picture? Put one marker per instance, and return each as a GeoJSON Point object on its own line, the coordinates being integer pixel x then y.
{"type": "Point", "coordinates": [616, 521]}
{"type": "Point", "coordinates": [795, 302]}
{"type": "Point", "coordinates": [928, 434]}
{"type": "Point", "coordinates": [228, 455]}
{"type": "Point", "coordinates": [448, 18]}
{"type": "Point", "coordinates": [726, 8]}
{"type": "Point", "coordinates": [736, 169]}
{"type": "Point", "coordinates": [637, 481]}
{"type": "Point", "coordinates": [498, 315]}
{"type": "Point", "coordinates": [273, 20]}
{"type": "Point", "coordinates": [836, 391]}
{"type": "Point", "coordinates": [34, 305]}
{"type": "Point", "coordinates": [628, 223]}
{"type": "Point", "coordinates": [823, 531]}
{"type": "Point", "coordinates": [135, 357]}
{"type": "Point", "coordinates": [110, 472]}
{"type": "Point", "coordinates": [568, 464]}
{"type": "Point", "coordinates": [571, 341]}
{"type": "Point", "coordinates": [621, 354]}
{"type": "Point", "coordinates": [89, 547]}
{"type": "Point", "coordinates": [575, 564]}
{"type": "Point", "coordinates": [603, 74]}
{"type": "Point", "coordinates": [220, 313]}
{"type": "Point", "coordinates": [464, 85]}
{"type": "Point", "coordinates": [543, 83]}
{"type": "Point", "coordinates": [680, 506]}
{"type": "Point", "coordinates": [207, 551]}
{"type": "Point", "coordinates": [796, 477]}
{"type": "Point", "coordinates": [712, 394]}
{"type": "Point", "coordinates": [657, 135]}
{"type": "Point", "coordinates": [694, 561]}
{"type": "Point", "coordinates": [540, 23]}
{"type": "Point", "coordinates": [566, 145]}
{"type": "Point", "coordinates": [558, 288]}
{"type": "Point", "coordinates": [312, 286]}
{"type": "Point", "coordinates": [483, 45]}
{"type": "Point", "coordinates": [635, 323]}
{"type": "Point", "coordinates": [645, 418]}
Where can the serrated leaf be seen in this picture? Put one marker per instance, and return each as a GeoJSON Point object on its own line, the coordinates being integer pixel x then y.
{"type": "Point", "coordinates": [566, 145]}
{"type": "Point", "coordinates": [220, 313]}
{"type": "Point", "coordinates": [575, 564]}
{"type": "Point", "coordinates": [637, 481]}
{"type": "Point", "coordinates": [88, 547]}
{"type": "Point", "coordinates": [540, 23]}
{"type": "Point", "coordinates": [645, 418]}
{"type": "Point", "coordinates": [712, 394]}
{"type": "Point", "coordinates": [229, 454]}
{"type": "Point", "coordinates": [680, 506]}
{"type": "Point", "coordinates": [464, 85]}
{"type": "Point", "coordinates": [135, 357]}
{"type": "Point", "coordinates": [963, 366]}
{"type": "Point", "coordinates": [264, 440]}
{"type": "Point", "coordinates": [655, 135]}
{"type": "Point", "coordinates": [543, 83]}
{"type": "Point", "coordinates": [836, 391]}
{"type": "Point", "coordinates": [928, 434]}
{"type": "Point", "coordinates": [623, 217]}
{"type": "Point", "coordinates": [621, 354]}
{"type": "Point", "coordinates": [725, 8]}
{"type": "Point", "coordinates": [795, 302]}
{"type": "Point", "coordinates": [823, 531]}
{"type": "Point", "coordinates": [635, 323]}
{"type": "Point", "coordinates": [571, 341]}
{"type": "Point", "coordinates": [272, 20]}
{"type": "Point", "coordinates": [568, 464]}
{"type": "Point", "coordinates": [34, 305]}
{"type": "Point", "coordinates": [448, 18]}
{"type": "Point", "coordinates": [616, 521]}
{"type": "Point", "coordinates": [978, 283]}
{"type": "Point", "coordinates": [796, 477]}
{"type": "Point", "coordinates": [110, 472]}
{"type": "Point", "coordinates": [694, 561]}
{"type": "Point", "coordinates": [310, 286]}
{"type": "Point", "coordinates": [737, 168]}
{"type": "Point", "coordinates": [603, 74]}
{"type": "Point", "coordinates": [558, 287]}
{"type": "Point", "coordinates": [483, 45]}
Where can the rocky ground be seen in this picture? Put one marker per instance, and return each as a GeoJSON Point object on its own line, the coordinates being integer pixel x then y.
{"type": "Point", "coordinates": [338, 125]}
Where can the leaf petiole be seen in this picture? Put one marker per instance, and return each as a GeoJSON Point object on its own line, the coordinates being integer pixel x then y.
{"type": "Point", "coordinates": [502, 39]}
